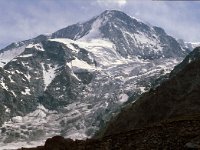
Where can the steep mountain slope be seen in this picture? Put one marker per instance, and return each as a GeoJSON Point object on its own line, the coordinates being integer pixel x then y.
{"type": "Point", "coordinates": [71, 82]}
{"type": "Point", "coordinates": [188, 46]}
{"type": "Point", "coordinates": [175, 97]}
{"type": "Point", "coordinates": [136, 38]}
{"type": "Point", "coordinates": [192, 56]}
{"type": "Point", "coordinates": [14, 49]}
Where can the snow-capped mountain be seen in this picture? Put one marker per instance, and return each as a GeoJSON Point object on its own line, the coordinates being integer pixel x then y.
{"type": "Point", "coordinates": [72, 81]}
{"type": "Point", "coordinates": [188, 46]}
{"type": "Point", "coordinates": [130, 36]}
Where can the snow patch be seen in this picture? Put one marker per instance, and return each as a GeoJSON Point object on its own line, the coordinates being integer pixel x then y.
{"type": "Point", "coordinates": [26, 55]}
{"type": "Point", "coordinates": [148, 41]}
{"type": "Point", "coordinates": [26, 92]}
{"type": "Point", "coordinates": [37, 46]}
{"type": "Point", "coordinates": [194, 44]}
{"type": "Point", "coordinates": [8, 55]}
{"type": "Point", "coordinates": [80, 64]}
{"type": "Point", "coordinates": [17, 119]}
{"type": "Point", "coordinates": [3, 84]}
{"type": "Point", "coordinates": [28, 77]}
{"type": "Point", "coordinates": [30, 46]}
{"type": "Point", "coordinates": [94, 33]}
{"type": "Point", "coordinates": [49, 73]}
{"type": "Point", "coordinates": [123, 98]}
{"type": "Point", "coordinates": [102, 50]}
{"type": "Point", "coordinates": [190, 60]}
{"type": "Point", "coordinates": [68, 42]}
{"type": "Point", "coordinates": [7, 109]}
{"type": "Point", "coordinates": [13, 93]}
{"type": "Point", "coordinates": [11, 80]}
{"type": "Point", "coordinates": [13, 146]}
{"type": "Point", "coordinates": [142, 89]}
{"type": "Point", "coordinates": [78, 136]}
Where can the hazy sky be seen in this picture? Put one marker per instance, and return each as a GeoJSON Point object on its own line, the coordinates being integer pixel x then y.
{"type": "Point", "coordinates": [24, 19]}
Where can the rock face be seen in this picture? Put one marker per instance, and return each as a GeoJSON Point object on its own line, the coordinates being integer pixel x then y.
{"type": "Point", "coordinates": [71, 82]}
{"type": "Point", "coordinates": [175, 97]}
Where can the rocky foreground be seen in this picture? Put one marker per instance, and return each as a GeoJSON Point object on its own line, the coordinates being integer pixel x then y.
{"type": "Point", "coordinates": [180, 133]}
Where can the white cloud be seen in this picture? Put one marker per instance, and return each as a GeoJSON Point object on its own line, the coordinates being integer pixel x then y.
{"type": "Point", "coordinates": [176, 18]}
{"type": "Point", "coordinates": [20, 21]}
{"type": "Point", "coordinates": [31, 20]}
{"type": "Point", "coordinates": [110, 3]}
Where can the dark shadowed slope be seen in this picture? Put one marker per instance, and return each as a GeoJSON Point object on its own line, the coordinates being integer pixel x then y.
{"type": "Point", "coordinates": [180, 133]}
{"type": "Point", "coordinates": [178, 96]}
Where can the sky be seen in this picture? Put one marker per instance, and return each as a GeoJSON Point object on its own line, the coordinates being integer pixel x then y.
{"type": "Point", "coordinates": [25, 19]}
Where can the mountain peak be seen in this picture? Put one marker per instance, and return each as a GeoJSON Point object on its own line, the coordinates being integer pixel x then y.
{"type": "Point", "coordinates": [113, 14]}
{"type": "Point", "coordinates": [130, 36]}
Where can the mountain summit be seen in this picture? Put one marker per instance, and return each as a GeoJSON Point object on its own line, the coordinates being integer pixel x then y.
{"type": "Point", "coordinates": [71, 82]}
{"type": "Point", "coordinates": [130, 36]}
